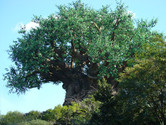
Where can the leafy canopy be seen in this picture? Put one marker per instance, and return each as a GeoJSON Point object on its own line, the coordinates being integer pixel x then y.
{"type": "Point", "coordinates": [144, 84]}
{"type": "Point", "coordinates": [76, 39]}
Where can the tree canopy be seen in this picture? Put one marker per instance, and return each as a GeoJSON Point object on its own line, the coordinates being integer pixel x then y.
{"type": "Point", "coordinates": [76, 40]}
{"type": "Point", "coordinates": [144, 84]}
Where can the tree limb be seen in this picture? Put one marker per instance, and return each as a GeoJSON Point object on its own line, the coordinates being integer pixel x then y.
{"type": "Point", "coordinates": [99, 29]}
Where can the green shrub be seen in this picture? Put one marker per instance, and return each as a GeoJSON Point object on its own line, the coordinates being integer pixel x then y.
{"type": "Point", "coordinates": [35, 122]}
{"type": "Point", "coordinates": [12, 118]}
{"type": "Point", "coordinates": [32, 115]}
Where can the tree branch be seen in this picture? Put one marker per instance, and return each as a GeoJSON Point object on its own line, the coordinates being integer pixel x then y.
{"type": "Point", "coordinates": [99, 29]}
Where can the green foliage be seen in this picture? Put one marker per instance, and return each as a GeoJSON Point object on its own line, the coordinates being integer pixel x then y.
{"type": "Point", "coordinates": [67, 112]}
{"type": "Point", "coordinates": [52, 115]}
{"type": "Point", "coordinates": [47, 115]}
{"type": "Point", "coordinates": [109, 110]}
{"type": "Point", "coordinates": [140, 98]}
{"type": "Point", "coordinates": [12, 118]}
{"type": "Point", "coordinates": [86, 108]}
{"type": "Point", "coordinates": [39, 122]}
{"type": "Point", "coordinates": [77, 38]}
{"type": "Point", "coordinates": [78, 113]}
{"type": "Point", "coordinates": [104, 91]}
{"type": "Point", "coordinates": [144, 85]}
{"type": "Point", "coordinates": [155, 49]}
{"type": "Point", "coordinates": [32, 115]}
{"type": "Point", "coordinates": [35, 122]}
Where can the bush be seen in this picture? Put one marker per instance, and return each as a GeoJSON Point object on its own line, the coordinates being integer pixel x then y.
{"type": "Point", "coordinates": [35, 122]}
{"type": "Point", "coordinates": [32, 115]}
{"type": "Point", "coordinates": [12, 118]}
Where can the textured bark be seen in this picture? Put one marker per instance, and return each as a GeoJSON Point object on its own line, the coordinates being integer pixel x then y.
{"type": "Point", "coordinates": [78, 88]}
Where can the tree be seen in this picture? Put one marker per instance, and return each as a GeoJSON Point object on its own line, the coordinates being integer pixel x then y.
{"type": "Point", "coordinates": [49, 115]}
{"type": "Point", "coordinates": [78, 46]}
{"type": "Point", "coordinates": [52, 115]}
{"type": "Point", "coordinates": [35, 122]}
{"type": "Point", "coordinates": [110, 111]}
{"type": "Point", "coordinates": [32, 115]}
{"type": "Point", "coordinates": [144, 86]}
{"type": "Point", "coordinates": [12, 118]}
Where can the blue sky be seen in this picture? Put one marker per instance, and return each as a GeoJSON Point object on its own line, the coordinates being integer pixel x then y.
{"type": "Point", "coordinates": [16, 12]}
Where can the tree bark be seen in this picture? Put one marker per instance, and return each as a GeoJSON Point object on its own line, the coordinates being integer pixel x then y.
{"type": "Point", "coordinates": [78, 87]}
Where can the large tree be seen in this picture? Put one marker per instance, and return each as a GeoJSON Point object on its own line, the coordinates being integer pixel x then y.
{"type": "Point", "coordinates": [76, 46]}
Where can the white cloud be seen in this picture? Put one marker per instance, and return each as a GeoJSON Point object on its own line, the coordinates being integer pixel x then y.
{"type": "Point", "coordinates": [27, 26]}
{"type": "Point", "coordinates": [132, 13]}
{"type": "Point", "coordinates": [17, 27]}
{"type": "Point", "coordinates": [31, 25]}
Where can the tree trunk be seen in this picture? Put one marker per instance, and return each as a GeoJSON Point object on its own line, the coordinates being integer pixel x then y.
{"type": "Point", "coordinates": [78, 87]}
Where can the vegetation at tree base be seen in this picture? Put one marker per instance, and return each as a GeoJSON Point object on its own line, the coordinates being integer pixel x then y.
{"type": "Point", "coordinates": [35, 122]}
{"type": "Point", "coordinates": [84, 46]}
{"type": "Point", "coordinates": [75, 114]}
{"type": "Point", "coordinates": [32, 115]}
{"type": "Point", "coordinates": [12, 118]}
